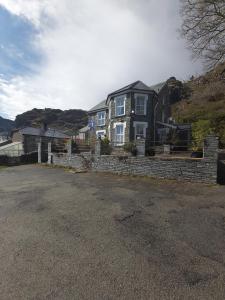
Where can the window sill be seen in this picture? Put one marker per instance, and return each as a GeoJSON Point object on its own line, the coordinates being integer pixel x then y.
{"type": "Point", "coordinates": [119, 116]}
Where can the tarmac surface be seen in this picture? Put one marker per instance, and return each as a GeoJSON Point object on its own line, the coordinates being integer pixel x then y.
{"type": "Point", "coordinates": [100, 236]}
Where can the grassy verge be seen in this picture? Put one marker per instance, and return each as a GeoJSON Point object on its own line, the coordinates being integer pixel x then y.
{"type": "Point", "coordinates": [2, 167]}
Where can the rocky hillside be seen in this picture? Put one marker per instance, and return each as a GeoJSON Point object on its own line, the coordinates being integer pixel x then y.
{"type": "Point", "coordinates": [6, 125]}
{"type": "Point", "coordinates": [204, 104]}
{"type": "Point", "coordinates": [68, 121]}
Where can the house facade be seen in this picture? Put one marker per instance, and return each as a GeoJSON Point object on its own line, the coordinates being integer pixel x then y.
{"type": "Point", "coordinates": [138, 111]}
{"type": "Point", "coordinates": [126, 115]}
{"type": "Point", "coordinates": [169, 93]}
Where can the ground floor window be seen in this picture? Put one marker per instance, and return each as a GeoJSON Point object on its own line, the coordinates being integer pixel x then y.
{"type": "Point", "coordinates": [100, 133]}
{"type": "Point", "coordinates": [119, 134]}
{"type": "Point", "coordinates": [140, 130]}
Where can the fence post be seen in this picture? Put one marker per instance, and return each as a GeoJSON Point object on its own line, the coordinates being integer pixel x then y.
{"type": "Point", "coordinates": [211, 146]}
{"type": "Point", "coordinates": [140, 145]}
{"type": "Point", "coordinates": [39, 153]}
{"type": "Point", "coordinates": [98, 147]}
{"type": "Point", "coordinates": [49, 153]}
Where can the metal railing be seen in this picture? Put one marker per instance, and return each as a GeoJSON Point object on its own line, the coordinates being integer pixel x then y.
{"type": "Point", "coordinates": [155, 148]}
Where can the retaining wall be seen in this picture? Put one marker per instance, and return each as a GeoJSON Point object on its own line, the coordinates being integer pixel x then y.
{"type": "Point", "coordinates": [196, 170]}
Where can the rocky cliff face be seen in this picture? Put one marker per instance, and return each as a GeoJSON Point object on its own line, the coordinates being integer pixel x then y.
{"type": "Point", "coordinates": [68, 121]}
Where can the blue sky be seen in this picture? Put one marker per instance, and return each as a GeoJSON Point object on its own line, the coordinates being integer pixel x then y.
{"type": "Point", "coordinates": [17, 55]}
{"type": "Point", "coordinates": [71, 54]}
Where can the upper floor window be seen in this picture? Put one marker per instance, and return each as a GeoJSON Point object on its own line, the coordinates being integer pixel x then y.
{"type": "Point", "coordinates": [120, 105]}
{"type": "Point", "coordinates": [141, 104]}
{"type": "Point", "coordinates": [101, 118]}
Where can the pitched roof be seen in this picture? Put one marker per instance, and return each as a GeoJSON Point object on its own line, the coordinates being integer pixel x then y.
{"type": "Point", "coordinates": [84, 129]}
{"type": "Point", "coordinates": [157, 87]}
{"type": "Point", "coordinates": [53, 133]}
{"type": "Point", "coordinates": [99, 106]}
{"type": "Point", "coordinates": [137, 85]}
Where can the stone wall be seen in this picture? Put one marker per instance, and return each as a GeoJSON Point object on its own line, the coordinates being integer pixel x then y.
{"type": "Point", "coordinates": [196, 170]}
{"type": "Point", "coordinates": [77, 161]}
{"type": "Point", "coordinates": [18, 160]}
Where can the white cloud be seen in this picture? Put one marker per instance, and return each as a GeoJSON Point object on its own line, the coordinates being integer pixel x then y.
{"type": "Point", "coordinates": [92, 47]}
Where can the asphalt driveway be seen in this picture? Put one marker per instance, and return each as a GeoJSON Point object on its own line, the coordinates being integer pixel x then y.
{"type": "Point", "coordinates": [101, 236]}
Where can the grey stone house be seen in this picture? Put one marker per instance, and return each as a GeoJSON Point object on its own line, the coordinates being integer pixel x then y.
{"type": "Point", "coordinates": [169, 92]}
{"type": "Point", "coordinates": [126, 115]}
{"type": "Point", "coordinates": [138, 111]}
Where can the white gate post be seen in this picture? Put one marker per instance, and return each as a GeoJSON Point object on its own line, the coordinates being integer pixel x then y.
{"type": "Point", "coordinates": [39, 153]}
{"type": "Point", "coordinates": [69, 148]}
{"type": "Point", "coordinates": [49, 153]}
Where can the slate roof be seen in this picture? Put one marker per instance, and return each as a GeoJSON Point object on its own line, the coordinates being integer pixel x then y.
{"type": "Point", "coordinates": [100, 106]}
{"type": "Point", "coordinates": [137, 85]}
{"type": "Point", "coordinates": [53, 133]}
{"type": "Point", "coordinates": [157, 87]}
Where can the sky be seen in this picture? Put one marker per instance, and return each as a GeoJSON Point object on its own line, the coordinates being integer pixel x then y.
{"type": "Point", "coordinates": [71, 54]}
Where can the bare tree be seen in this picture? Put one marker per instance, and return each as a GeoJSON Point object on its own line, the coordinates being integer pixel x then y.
{"type": "Point", "coordinates": [204, 28]}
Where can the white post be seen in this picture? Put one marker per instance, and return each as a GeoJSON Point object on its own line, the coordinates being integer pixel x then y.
{"type": "Point", "coordinates": [49, 153]}
{"type": "Point", "coordinates": [39, 153]}
{"type": "Point", "coordinates": [69, 148]}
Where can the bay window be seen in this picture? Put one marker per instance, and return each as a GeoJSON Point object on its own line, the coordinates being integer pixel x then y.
{"type": "Point", "coordinates": [120, 105]}
{"type": "Point", "coordinates": [140, 104]}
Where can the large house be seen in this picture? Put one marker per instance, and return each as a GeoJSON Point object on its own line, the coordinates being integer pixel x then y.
{"type": "Point", "coordinates": [137, 111]}
{"type": "Point", "coordinates": [126, 115]}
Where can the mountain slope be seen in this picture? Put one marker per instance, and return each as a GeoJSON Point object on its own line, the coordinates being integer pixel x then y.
{"type": "Point", "coordinates": [6, 125]}
{"type": "Point", "coordinates": [68, 121]}
{"type": "Point", "coordinates": [204, 104]}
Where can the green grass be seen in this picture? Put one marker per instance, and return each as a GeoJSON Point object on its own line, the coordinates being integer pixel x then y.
{"type": "Point", "coordinates": [2, 167]}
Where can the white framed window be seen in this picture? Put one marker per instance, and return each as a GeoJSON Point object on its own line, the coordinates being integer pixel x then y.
{"type": "Point", "coordinates": [101, 118]}
{"type": "Point", "coordinates": [140, 130]}
{"type": "Point", "coordinates": [119, 134]}
{"type": "Point", "coordinates": [100, 133]}
{"type": "Point", "coordinates": [141, 104]}
{"type": "Point", "coordinates": [120, 105]}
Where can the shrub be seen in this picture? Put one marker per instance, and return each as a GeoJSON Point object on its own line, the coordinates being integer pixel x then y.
{"type": "Point", "coordinates": [106, 149]}
{"type": "Point", "coordinates": [150, 152]}
{"type": "Point", "coordinates": [200, 130]}
{"type": "Point", "coordinates": [130, 147]}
